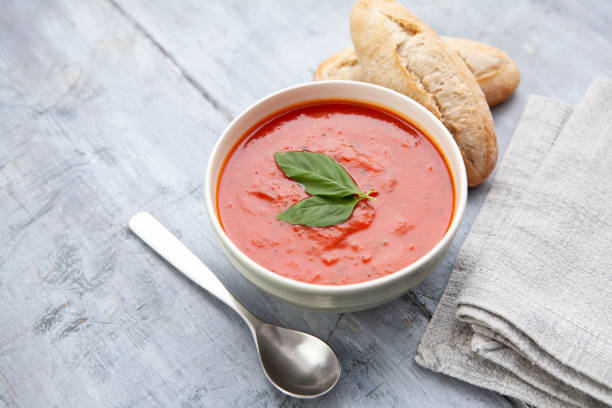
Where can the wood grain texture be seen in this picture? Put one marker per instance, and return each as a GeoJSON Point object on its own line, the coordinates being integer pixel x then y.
{"type": "Point", "coordinates": [107, 108]}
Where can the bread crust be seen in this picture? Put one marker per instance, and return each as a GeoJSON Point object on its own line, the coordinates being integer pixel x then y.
{"type": "Point", "coordinates": [497, 74]}
{"type": "Point", "coordinates": [398, 51]}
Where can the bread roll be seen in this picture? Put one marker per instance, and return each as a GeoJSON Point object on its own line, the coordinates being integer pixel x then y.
{"type": "Point", "coordinates": [342, 65]}
{"type": "Point", "coordinates": [496, 73]}
{"type": "Point", "coordinates": [398, 51]}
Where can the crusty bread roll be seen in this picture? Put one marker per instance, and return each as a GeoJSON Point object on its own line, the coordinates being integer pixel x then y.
{"type": "Point", "coordinates": [497, 74]}
{"type": "Point", "coordinates": [342, 65]}
{"type": "Point", "coordinates": [398, 51]}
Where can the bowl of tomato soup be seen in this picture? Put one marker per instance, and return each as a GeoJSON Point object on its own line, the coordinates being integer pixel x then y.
{"type": "Point", "coordinates": [377, 246]}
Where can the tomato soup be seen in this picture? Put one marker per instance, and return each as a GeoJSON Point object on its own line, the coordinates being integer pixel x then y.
{"type": "Point", "coordinates": [380, 150]}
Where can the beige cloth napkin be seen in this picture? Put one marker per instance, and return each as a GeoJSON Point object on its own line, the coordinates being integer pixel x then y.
{"type": "Point", "coordinates": [528, 308]}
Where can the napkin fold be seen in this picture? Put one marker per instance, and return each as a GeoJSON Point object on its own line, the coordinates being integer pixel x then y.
{"type": "Point", "coordinates": [527, 310]}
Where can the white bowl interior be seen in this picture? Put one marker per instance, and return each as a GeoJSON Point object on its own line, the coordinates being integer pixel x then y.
{"type": "Point", "coordinates": [344, 90]}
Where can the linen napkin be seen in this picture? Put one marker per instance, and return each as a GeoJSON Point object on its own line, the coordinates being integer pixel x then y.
{"type": "Point", "coordinates": [527, 310]}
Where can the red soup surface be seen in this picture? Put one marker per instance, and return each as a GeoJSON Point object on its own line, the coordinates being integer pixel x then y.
{"type": "Point", "coordinates": [380, 151]}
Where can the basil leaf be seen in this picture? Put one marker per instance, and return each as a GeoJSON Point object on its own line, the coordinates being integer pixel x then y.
{"type": "Point", "coordinates": [334, 193]}
{"type": "Point", "coordinates": [317, 172]}
{"type": "Point", "coordinates": [318, 211]}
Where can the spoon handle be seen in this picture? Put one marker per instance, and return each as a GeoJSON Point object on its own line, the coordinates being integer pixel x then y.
{"type": "Point", "coordinates": [176, 253]}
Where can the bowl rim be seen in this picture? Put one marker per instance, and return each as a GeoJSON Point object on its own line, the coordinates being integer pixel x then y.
{"type": "Point", "coordinates": [461, 188]}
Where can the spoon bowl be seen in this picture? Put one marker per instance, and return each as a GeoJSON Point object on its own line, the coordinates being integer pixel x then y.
{"type": "Point", "coordinates": [296, 363]}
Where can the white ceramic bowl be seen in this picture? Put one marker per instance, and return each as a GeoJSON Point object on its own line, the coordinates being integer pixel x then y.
{"type": "Point", "coordinates": [357, 296]}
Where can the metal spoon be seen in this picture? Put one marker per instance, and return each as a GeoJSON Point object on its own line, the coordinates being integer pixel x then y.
{"type": "Point", "coordinates": [298, 364]}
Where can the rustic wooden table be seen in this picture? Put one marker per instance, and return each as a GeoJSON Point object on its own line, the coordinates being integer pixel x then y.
{"type": "Point", "coordinates": [108, 107]}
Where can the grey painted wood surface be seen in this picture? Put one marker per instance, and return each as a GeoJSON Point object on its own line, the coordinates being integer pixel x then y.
{"type": "Point", "coordinates": [110, 107]}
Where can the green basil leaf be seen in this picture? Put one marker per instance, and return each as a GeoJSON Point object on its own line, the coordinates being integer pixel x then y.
{"type": "Point", "coordinates": [318, 211]}
{"type": "Point", "coordinates": [317, 172]}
